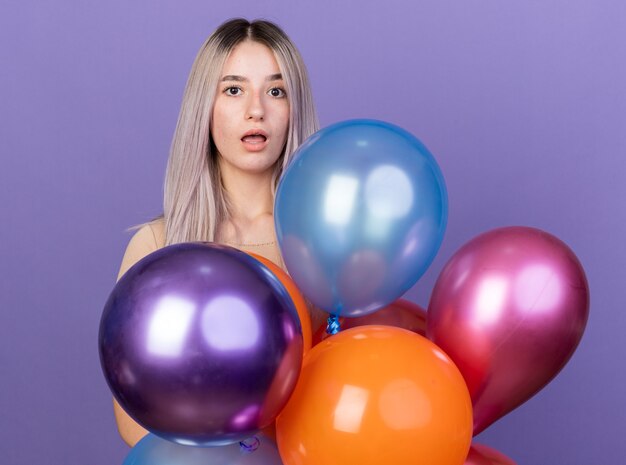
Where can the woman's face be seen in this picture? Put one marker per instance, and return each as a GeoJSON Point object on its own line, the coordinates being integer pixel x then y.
{"type": "Point", "coordinates": [251, 111]}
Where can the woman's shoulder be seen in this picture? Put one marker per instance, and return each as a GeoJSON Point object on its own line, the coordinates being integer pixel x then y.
{"type": "Point", "coordinates": [150, 235]}
{"type": "Point", "coordinates": [148, 238]}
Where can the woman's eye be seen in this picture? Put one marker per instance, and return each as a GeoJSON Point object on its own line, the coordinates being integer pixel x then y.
{"type": "Point", "coordinates": [232, 91]}
{"type": "Point", "coordinates": [277, 92]}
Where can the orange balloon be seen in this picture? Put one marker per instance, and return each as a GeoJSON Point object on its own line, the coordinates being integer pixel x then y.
{"type": "Point", "coordinates": [296, 296]}
{"type": "Point", "coordinates": [376, 394]}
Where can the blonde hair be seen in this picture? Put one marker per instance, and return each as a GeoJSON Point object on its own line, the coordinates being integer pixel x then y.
{"type": "Point", "coordinates": [194, 201]}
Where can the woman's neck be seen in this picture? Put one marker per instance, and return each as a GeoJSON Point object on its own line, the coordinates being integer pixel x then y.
{"type": "Point", "coordinates": [250, 200]}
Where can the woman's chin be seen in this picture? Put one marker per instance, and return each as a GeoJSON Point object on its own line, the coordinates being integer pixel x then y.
{"type": "Point", "coordinates": [253, 164]}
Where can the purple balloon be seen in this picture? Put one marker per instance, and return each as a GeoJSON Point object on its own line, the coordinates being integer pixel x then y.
{"type": "Point", "coordinates": [201, 344]}
{"type": "Point", "coordinates": [509, 309]}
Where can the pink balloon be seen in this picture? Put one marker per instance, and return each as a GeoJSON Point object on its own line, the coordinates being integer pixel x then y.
{"type": "Point", "coordinates": [509, 308]}
{"type": "Point", "coordinates": [483, 455]}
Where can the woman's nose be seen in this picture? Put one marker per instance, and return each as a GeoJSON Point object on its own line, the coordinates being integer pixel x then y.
{"type": "Point", "coordinates": [255, 109]}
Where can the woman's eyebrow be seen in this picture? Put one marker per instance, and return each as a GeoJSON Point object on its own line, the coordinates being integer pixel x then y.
{"type": "Point", "coordinates": [234, 77]}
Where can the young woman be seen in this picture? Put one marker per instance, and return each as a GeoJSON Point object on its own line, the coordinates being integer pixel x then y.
{"type": "Point", "coordinates": [247, 106]}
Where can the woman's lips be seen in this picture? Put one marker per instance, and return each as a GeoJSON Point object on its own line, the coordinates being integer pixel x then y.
{"type": "Point", "coordinates": [254, 143]}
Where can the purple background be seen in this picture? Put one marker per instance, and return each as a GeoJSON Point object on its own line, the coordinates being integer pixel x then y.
{"type": "Point", "coordinates": [523, 104]}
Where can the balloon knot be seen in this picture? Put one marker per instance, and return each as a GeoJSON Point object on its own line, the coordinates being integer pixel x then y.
{"type": "Point", "coordinates": [332, 325]}
{"type": "Point", "coordinates": [247, 446]}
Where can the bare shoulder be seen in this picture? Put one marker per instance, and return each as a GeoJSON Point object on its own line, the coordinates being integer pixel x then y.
{"type": "Point", "coordinates": [146, 240]}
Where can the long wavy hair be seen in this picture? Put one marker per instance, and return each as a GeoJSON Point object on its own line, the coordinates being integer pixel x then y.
{"type": "Point", "coordinates": [195, 201]}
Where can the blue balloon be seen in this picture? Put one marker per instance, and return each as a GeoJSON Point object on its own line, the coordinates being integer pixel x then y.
{"type": "Point", "coordinates": [152, 450]}
{"type": "Point", "coordinates": [360, 214]}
